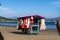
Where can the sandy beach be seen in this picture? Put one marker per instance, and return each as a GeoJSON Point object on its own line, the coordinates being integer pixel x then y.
{"type": "Point", "coordinates": [11, 33]}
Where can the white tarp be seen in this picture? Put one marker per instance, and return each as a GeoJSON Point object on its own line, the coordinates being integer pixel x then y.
{"type": "Point", "coordinates": [43, 25]}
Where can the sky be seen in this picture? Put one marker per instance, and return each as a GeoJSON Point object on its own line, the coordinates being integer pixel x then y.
{"type": "Point", "coordinates": [16, 8]}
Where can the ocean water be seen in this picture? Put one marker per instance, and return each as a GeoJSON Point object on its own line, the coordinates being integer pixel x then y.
{"type": "Point", "coordinates": [9, 23]}
{"type": "Point", "coordinates": [48, 24]}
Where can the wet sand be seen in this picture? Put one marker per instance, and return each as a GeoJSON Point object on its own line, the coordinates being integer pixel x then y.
{"type": "Point", "coordinates": [11, 33]}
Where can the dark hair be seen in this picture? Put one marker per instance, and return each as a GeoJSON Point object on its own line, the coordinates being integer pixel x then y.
{"type": "Point", "coordinates": [1, 36]}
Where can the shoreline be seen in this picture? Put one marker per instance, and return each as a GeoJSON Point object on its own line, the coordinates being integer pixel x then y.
{"type": "Point", "coordinates": [8, 25]}
{"type": "Point", "coordinates": [16, 26]}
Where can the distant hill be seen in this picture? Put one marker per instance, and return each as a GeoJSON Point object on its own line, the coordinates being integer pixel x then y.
{"type": "Point", "coordinates": [6, 19]}
{"type": "Point", "coordinates": [52, 19]}
{"type": "Point", "coordinates": [57, 18]}
{"type": "Point", "coordinates": [49, 19]}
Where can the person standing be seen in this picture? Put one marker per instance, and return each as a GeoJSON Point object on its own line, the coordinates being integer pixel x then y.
{"type": "Point", "coordinates": [58, 26]}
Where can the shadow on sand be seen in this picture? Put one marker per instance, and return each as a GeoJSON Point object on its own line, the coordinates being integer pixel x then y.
{"type": "Point", "coordinates": [24, 33]}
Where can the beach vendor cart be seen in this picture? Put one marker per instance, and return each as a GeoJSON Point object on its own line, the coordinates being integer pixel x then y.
{"type": "Point", "coordinates": [30, 24]}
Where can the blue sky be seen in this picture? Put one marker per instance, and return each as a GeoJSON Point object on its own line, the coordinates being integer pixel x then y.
{"type": "Point", "coordinates": [16, 8]}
